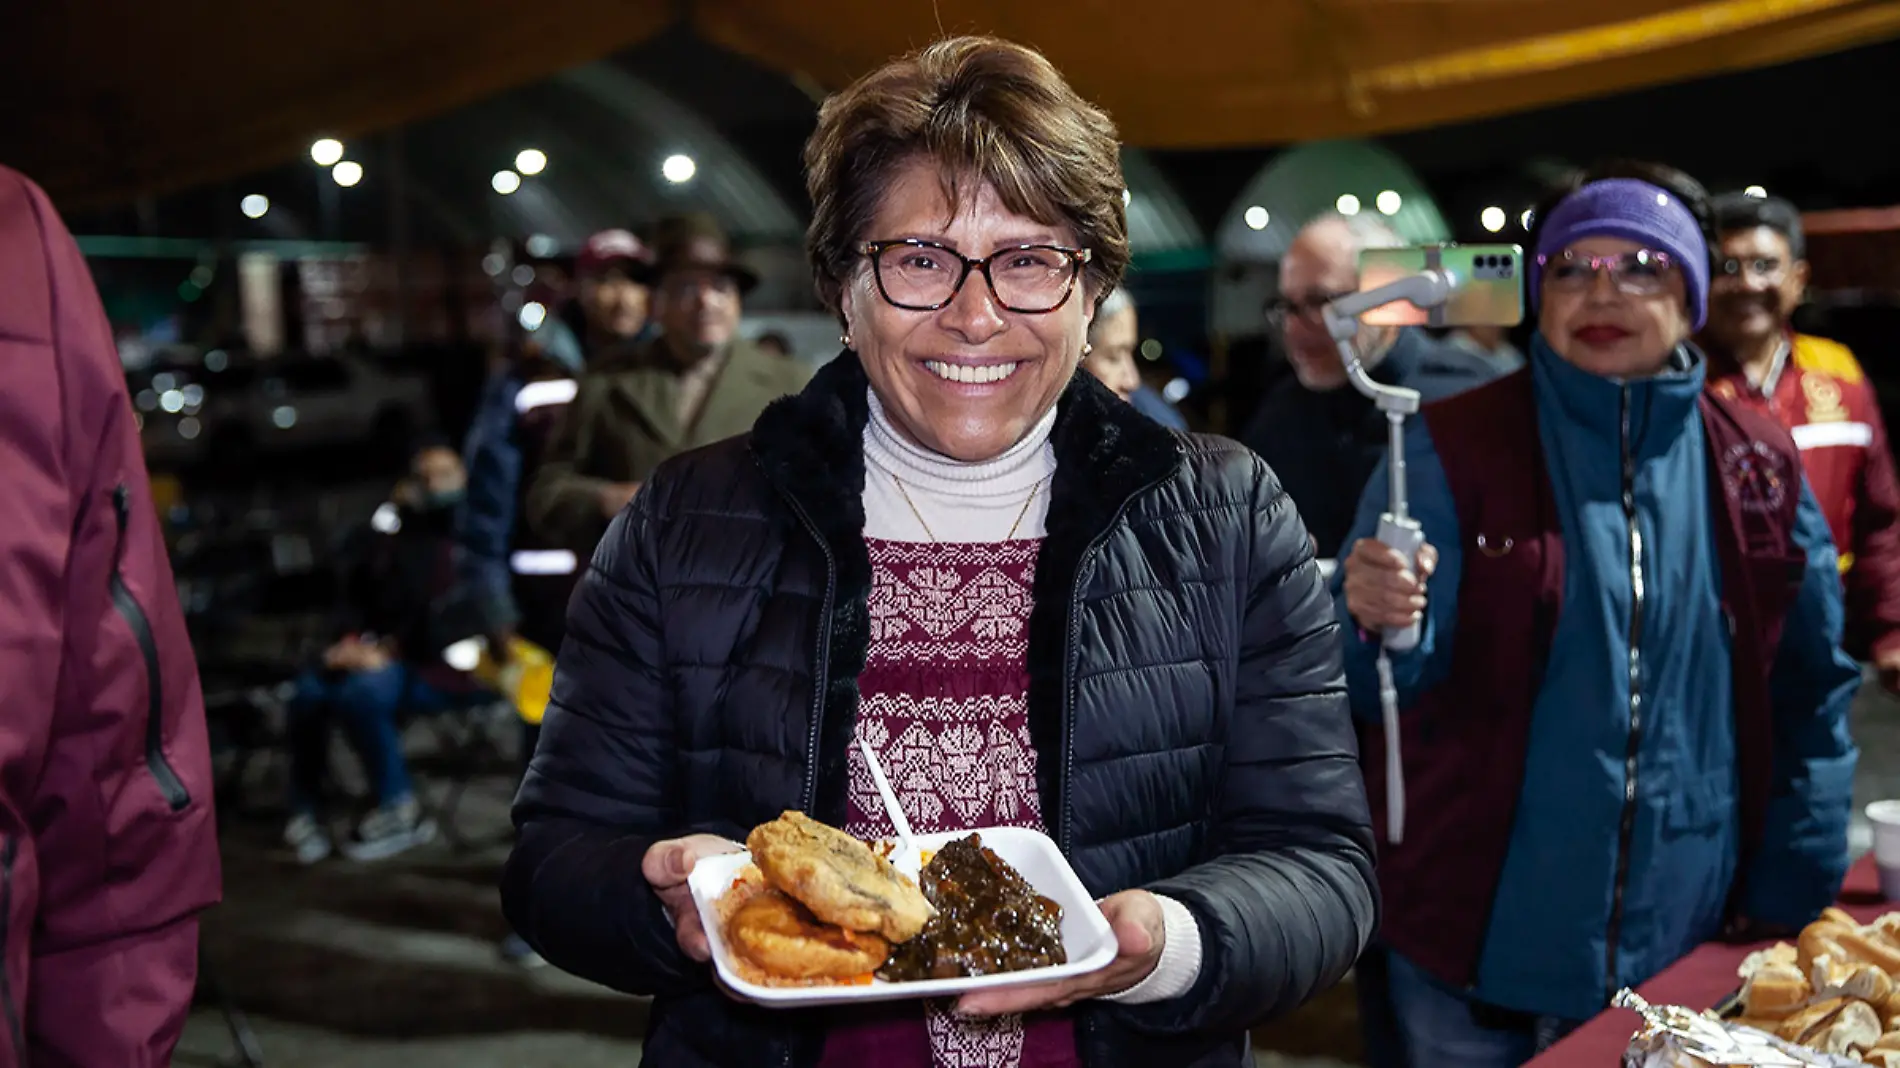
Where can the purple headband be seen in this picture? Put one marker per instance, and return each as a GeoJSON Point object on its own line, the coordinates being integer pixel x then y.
{"type": "Point", "coordinates": [1635, 211]}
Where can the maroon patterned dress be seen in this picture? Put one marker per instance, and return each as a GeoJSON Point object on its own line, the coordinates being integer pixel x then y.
{"type": "Point", "coordinates": [943, 701]}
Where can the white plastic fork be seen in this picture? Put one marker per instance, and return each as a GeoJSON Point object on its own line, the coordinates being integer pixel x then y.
{"type": "Point", "coordinates": [908, 858]}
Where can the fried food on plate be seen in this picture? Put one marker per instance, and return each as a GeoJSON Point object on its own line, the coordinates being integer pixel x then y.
{"type": "Point", "coordinates": [782, 937]}
{"type": "Point", "coordinates": [840, 879]}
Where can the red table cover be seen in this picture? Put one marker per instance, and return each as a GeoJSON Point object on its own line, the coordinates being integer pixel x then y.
{"type": "Point", "coordinates": [1700, 980]}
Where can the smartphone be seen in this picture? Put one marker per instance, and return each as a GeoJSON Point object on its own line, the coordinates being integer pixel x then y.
{"type": "Point", "coordinates": [1487, 284]}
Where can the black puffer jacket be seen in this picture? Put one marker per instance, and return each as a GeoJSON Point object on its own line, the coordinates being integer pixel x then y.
{"type": "Point", "coordinates": [1186, 704]}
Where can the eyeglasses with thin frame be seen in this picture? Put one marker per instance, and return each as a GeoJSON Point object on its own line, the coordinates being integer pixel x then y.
{"type": "Point", "coordinates": [1768, 270]}
{"type": "Point", "coordinates": [1641, 273]}
{"type": "Point", "coordinates": [1280, 309]}
{"type": "Point", "coordinates": [918, 275]}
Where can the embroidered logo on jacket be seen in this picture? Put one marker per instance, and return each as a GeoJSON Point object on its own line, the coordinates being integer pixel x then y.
{"type": "Point", "coordinates": [1756, 477]}
{"type": "Point", "coordinates": [1824, 398]}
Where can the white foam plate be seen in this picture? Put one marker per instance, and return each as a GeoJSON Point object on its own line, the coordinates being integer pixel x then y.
{"type": "Point", "coordinates": [1086, 936]}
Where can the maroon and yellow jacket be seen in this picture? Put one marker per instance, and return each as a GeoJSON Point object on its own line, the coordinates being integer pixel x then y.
{"type": "Point", "coordinates": [1820, 394]}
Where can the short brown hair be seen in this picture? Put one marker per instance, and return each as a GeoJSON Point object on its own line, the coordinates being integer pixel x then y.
{"type": "Point", "coordinates": [982, 108]}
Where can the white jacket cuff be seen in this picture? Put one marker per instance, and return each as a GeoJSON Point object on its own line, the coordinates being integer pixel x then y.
{"type": "Point", "coordinates": [1180, 962]}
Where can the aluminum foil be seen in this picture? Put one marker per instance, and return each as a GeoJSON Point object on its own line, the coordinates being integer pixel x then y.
{"type": "Point", "coordinates": [1675, 1037]}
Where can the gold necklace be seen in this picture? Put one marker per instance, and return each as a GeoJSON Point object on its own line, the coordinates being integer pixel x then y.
{"type": "Point", "coordinates": [899, 483]}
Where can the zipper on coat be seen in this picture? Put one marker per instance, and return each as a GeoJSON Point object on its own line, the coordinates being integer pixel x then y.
{"type": "Point", "coordinates": [1626, 829]}
{"type": "Point", "coordinates": [1072, 662]}
{"type": "Point", "coordinates": [12, 1010]}
{"type": "Point", "coordinates": [168, 782]}
{"type": "Point", "coordinates": [821, 656]}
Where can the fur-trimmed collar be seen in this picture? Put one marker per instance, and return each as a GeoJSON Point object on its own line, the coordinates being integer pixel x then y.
{"type": "Point", "coordinates": [811, 448]}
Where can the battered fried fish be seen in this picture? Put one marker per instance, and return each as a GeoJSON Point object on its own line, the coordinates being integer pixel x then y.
{"type": "Point", "coordinates": [784, 939]}
{"type": "Point", "coordinates": [838, 877]}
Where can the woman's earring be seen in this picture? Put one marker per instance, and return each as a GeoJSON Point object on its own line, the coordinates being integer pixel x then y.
{"type": "Point", "coordinates": [845, 340]}
{"type": "Point", "coordinates": [1087, 347]}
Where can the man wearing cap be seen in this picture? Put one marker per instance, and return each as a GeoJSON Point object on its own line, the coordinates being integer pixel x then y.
{"type": "Point", "coordinates": [1623, 728]}
{"type": "Point", "coordinates": [520, 577]}
{"type": "Point", "coordinates": [696, 382]}
{"type": "Point", "coordinates": [523, 580]}
{"type": "Point", "coordinates": [1816, 389]}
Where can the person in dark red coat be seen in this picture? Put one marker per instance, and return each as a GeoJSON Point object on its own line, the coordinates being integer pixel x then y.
{"type": "Point", "coordinates": [108, 845]}
{"type": "Point", "coordinates": [1816, 389]}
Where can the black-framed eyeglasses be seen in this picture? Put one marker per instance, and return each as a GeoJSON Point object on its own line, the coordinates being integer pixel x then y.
{"type": "Point", "coordinates": [926, 276]}
{"type": "Point", "coordinates": [1641, 273]}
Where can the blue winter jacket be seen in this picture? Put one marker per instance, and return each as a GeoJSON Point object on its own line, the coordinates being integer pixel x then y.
{"type": "Point", "coordinates": [1546, 948]}
{"type": "Point", "coordinates": [492, 456]}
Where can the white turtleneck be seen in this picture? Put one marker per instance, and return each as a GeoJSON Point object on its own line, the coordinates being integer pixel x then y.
{"type": "Point", "coordinates": [958, 501]}
{"type": "Point", "coordinates": [980, 502]}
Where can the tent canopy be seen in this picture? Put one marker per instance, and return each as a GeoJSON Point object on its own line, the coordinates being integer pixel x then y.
{"type": "Point", "coordinates": [113, 98]}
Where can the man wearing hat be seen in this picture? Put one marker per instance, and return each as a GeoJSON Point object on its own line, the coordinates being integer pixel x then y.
{"type": "Point", "coordinates": [692, 384]}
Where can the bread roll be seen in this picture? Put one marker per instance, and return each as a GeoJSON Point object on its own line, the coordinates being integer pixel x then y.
{"type": "Point", "coordinates": [1821, 938]}
{"type": "Point", "coordinates": [1779, 953]}
{"type": "Point", "coordinates": [1835, 915]}
{"type": "Point", "coordinates": [1876, 950]}
{"type": "Point", "coordinates": [1811, 1018]}
{"type": "Point", "coordinates": [1859, 980]}
{"type": "Point", "coordinates": [1847, 945]}
{"type": "Point", "coordinates": [1849, 1031]}
{"type": "Point", "coordinates": [1775, 991]}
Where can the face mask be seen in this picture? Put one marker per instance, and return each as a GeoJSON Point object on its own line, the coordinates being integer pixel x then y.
{"type": "Point", "coordinates": [439, 500]}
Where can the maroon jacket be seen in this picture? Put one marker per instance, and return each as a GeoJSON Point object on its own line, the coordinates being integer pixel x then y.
{"type": "Point", "coordinates": [108, 848]}
{"type": "Point", "coordinates": [1438, 885]}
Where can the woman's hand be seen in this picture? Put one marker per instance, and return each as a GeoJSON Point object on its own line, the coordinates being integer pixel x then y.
{"type": "Point", "coordinates": [1135, 916]}
{"type": "Point", "coordinates": [1381, 591]}
{"type": "Point", "coordinates": [666, 866]}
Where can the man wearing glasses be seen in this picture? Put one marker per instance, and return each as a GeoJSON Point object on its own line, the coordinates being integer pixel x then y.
{"type": "Point", "coordinates": [1816, 389]}
{"type": "Point", "coordinates": [1319, 434]}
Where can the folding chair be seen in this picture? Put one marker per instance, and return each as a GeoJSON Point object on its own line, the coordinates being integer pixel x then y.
{"type": "Point", "coordinates": [463, 744]}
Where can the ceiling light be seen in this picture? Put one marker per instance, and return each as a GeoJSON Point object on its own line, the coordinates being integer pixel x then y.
{"type": "Point", "coordinates": [1256, 217]}
{"type": "Point", "coordinates": [678, 168]}
{"type": "Point", "coordinates": [1755, 191]}
{"type": "Point", "coordinates": [254, 206]}
{"type": "Point", "coordinates": [531, 161]}
{"type": "Point", "coordinates": [347, 173]}
{"type": "Point", "coordinates": [1389, 202]}
{"type": "Point", "coordinates": [1347, 204]}
{"type": "Point", "coordinates": [505, 182]}
{"type": "Point", "coordinates": [1492, 218]}
{"type": "Point", "coordinates": [326, 152]}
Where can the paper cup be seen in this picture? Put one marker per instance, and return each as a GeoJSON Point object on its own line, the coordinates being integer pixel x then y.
{"type": "Point", "coordinates": [1885, 818]}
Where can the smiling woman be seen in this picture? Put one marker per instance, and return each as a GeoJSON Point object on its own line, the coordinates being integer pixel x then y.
{"type": "Point", "coordinates": [1036, 606]}
{"type": "Point", "coordinates": [1699, 632]}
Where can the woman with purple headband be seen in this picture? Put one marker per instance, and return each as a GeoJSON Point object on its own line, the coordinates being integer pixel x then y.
{"type": "Point", "coordinates": [1624, 731]}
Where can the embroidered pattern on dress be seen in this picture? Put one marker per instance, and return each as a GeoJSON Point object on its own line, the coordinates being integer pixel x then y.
{"type": "Point", "coordinates": [944, 704]}
{"type": "Point", "coordinates": [976, 1043]}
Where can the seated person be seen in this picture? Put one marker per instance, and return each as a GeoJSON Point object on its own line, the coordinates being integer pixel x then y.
{"type": "Point", "coordinates": [398, 596]}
